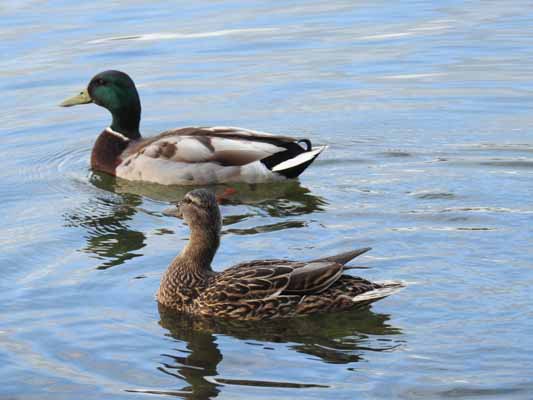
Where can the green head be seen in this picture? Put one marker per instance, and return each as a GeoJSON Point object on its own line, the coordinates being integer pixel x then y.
{"type": "Point", "coordinates": [115, 91]}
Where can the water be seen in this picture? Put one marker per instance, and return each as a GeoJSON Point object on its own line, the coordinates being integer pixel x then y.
{"type": "Point", "coordinates": [427, 111]}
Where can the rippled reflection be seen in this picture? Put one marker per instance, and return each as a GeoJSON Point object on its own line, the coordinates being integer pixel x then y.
{"type": "Point", "coordinates": [339, 338]}
{"type": "Point", "coordinates": [277, 199]}
{"type": "Point", "coordinates": [110, 237]}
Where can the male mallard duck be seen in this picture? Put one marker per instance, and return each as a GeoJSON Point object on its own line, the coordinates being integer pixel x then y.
{"type": "Point", "coordinates": [260, 289]}
{"type": "Point", "coordinates": [185, 156]}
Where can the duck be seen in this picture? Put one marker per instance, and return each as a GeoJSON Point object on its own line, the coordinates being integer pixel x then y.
{"type": "Point", "coordinates": [185, 156]}
{"type": "Point", "coordinates": [259, 289]}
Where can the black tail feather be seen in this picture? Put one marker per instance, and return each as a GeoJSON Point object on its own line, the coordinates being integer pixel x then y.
{"type": "Point", "coordinates": [293, 161]}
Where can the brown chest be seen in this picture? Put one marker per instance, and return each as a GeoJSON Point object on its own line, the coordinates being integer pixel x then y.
{"type": "Point", "coordinates": [106, 153]}
{"type": "Point", "coordinates": [179, 291]}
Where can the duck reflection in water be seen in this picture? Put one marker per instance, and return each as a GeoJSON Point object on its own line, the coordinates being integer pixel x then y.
{"type": "Point", "coordinates": [106, 217]}
{"type": "Point", "coordinates": [340, 338]}
{"type": "Point", "coordinates": [109, 236]}
{"type": "Point", "coordinates": [276, 199]}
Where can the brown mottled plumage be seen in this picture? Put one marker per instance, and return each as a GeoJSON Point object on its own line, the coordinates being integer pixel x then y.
{"type": "Point", "coordinates": [259, 289]}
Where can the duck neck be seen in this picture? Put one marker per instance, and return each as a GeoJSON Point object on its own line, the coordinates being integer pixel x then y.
{"type": "Point", "coordinates": [202, 247]}
{"type": "Point", "coordinates": [190, 272]}
{"type": "Point", "coordinates": [196, 257]}
{"type": "Point", "coordinates": [126, 121]}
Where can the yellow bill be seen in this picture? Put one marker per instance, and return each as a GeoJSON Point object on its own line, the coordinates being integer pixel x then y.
{"type": "Point", "coordinates": [81, 98]}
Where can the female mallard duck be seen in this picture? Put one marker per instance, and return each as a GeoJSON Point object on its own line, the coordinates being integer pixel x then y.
{"type": "Point", "coordinates": [260, 289]}
{"type": "Point", "coordinates": [185, 156]}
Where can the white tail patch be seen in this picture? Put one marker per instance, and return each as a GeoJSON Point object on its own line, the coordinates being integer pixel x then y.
{"type": "Point", "coordinates": [391, 287]}
{"type": "Point", "coordinates": [299, 159]}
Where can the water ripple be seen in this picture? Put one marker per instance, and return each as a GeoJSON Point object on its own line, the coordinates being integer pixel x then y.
{"type": "Point", "coordinates": [183, 36]}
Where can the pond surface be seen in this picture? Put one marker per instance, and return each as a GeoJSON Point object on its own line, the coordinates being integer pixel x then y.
{"type": "Point", "coordinates": [427, 109]}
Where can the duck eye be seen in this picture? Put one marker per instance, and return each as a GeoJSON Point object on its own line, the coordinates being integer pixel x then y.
{"type": "Point", "coordinates": [186, 200]}
{"type": "Point", "coordinates": [100, 82]}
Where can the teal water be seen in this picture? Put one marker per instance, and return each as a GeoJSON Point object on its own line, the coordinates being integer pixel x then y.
{"type": "Point", "coordinates": [426, 107]}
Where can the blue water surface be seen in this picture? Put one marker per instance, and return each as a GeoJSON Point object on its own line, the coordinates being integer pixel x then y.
{"type": "Point", "coordinates": [427, 111]}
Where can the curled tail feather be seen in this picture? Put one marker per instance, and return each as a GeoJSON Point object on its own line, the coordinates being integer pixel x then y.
{"type": "Point", "coordinates": [294, 161]}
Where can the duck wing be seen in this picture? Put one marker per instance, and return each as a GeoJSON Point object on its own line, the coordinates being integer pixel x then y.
{"type": "Point", "coordinates": [267, 279]}
{"type": "Point", "coordinates": [257, 279]}
{"type": "Point", "coordinates": [227, 146]}
{"type": "Point", "coordinates": [215, 155]}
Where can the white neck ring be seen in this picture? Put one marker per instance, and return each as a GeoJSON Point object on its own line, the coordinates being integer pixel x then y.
{"type": "Point", "coordinates": [117, 134]}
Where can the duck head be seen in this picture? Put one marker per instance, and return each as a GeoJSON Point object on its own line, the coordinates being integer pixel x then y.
{"type": "Point", "coordinates": [199, 208]}
{"type": "Point", "coordinates": [115, 91]}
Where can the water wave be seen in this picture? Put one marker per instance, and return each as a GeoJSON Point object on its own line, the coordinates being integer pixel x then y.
{"type": "Point", "coordinates": [177, 35]}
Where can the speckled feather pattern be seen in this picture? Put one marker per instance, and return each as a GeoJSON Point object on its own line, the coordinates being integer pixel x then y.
{"type": "Point", "coordinates": [260, 289]}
